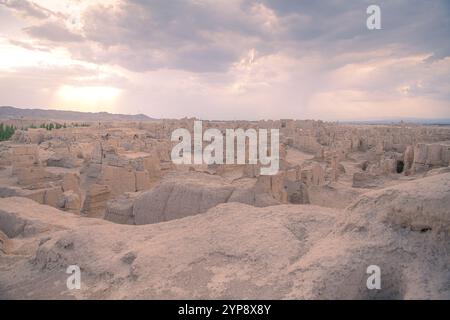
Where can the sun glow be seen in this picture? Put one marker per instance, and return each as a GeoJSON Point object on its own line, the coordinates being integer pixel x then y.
{"type": "Point", "coordinates": [86, 98]}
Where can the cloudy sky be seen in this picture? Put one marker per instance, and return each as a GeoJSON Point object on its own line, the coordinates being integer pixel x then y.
{"type": "Point", "coordinates": [227, 59]}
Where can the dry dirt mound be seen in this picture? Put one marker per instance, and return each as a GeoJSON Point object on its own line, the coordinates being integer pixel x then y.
{"type": "Point", "coordinates": [233, 251]}
{"type": "Point", "coordinates": [419, 205]}
{"type": "Point", "coordinates": [401, 229]}
{"type": "Point", "coordinates": [237, 251]}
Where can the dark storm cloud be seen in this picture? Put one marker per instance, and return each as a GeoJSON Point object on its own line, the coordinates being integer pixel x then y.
{"type": "Point", "coordinates": [338, 26]}
{"type": "Point", "coordinates": [174, 34]}
{"type": "Point", "coordinates": [202, 36]}
{"type": "Point", "coordinates": [186, 34]}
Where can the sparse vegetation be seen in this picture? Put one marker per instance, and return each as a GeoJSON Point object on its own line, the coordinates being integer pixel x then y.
{"type": "Point", "coordinates": [50, 126]}
{"type": "Point", "coordinates": [76, 124]}
{"type": "Point", "coordinates": [6, 131]}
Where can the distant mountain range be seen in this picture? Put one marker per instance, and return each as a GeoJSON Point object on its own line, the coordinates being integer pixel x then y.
{"type": "Point", "coordinates": [8, 112]}
{"type": "Point", "coordinates": [429, 121]}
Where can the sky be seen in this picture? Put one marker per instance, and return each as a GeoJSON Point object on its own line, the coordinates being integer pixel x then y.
{"type": "Point", "coordinates": [228, 59]}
